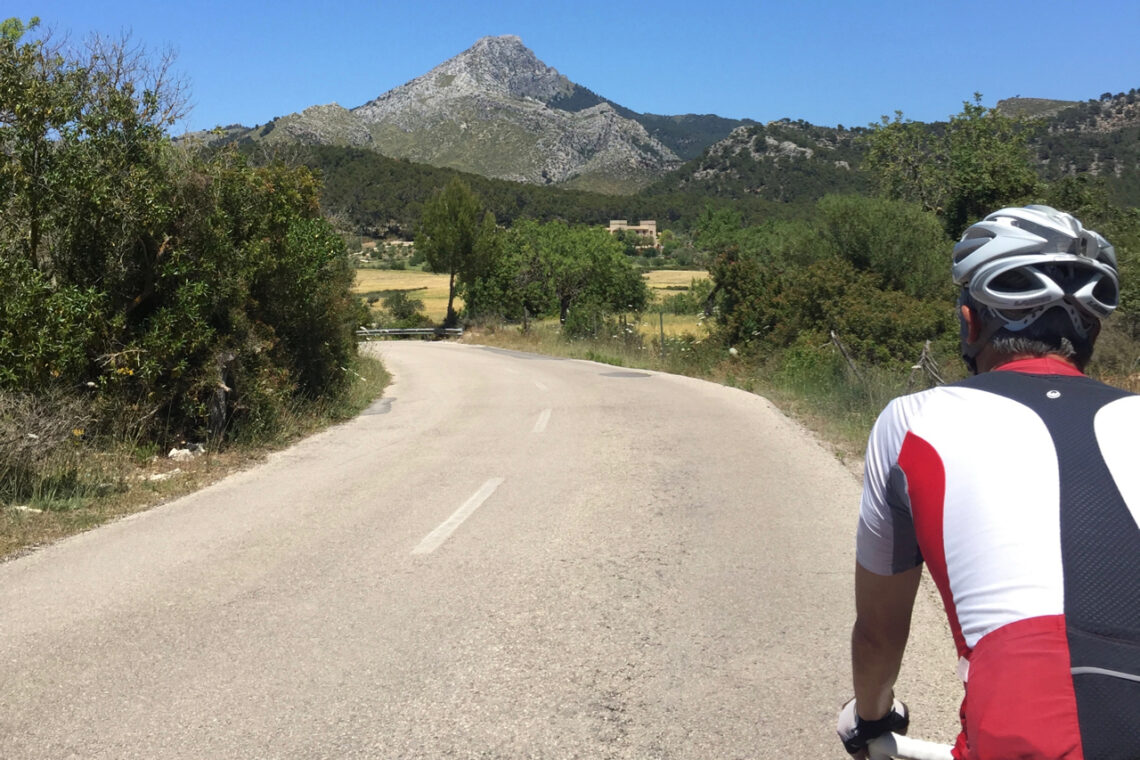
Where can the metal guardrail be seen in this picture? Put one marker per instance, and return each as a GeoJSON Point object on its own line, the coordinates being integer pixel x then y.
{"type": "Point", "coordinates": [403, 332]}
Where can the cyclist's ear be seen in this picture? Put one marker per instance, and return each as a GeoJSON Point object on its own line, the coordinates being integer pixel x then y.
{"type": "Point", "coordinates": [972, 321]}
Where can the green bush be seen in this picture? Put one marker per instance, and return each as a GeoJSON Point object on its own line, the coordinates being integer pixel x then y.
{"type": "Point", "coordinates": [592, 320]}
{"type": "Point", "coordinates": [188, 294]}
{"type": "Point", "coordinates": [48, 334]}
{"type": "Point", "coordinates": [401, 310]}
{"type": "Point", "coordinates": [692, 301]}
{"type": "Point", "coordinates": [771, 308]}
{"type": "Point", "coordinates": [587, 319]}
{"type": "Point", "coordinates": [900, 242]}
{"type": "Point", "coordinates": [811, 366]}
{"type": "Point", "coordinates": [877, 326]}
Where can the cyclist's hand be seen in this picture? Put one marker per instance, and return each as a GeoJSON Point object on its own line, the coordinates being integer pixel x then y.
{"type": "Point", "coordinates": [856, 733]}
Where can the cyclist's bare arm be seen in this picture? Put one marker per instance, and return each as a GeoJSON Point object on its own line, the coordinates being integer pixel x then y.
{"type": "Point", "coordinates": [883, 605]}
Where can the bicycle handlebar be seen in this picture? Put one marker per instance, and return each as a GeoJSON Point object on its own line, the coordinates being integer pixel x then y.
{"type": "Point", "coordinates": [890, 746]}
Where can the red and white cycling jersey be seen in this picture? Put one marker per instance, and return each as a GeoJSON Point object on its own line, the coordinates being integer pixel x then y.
{"type": "Point", "coordinates": [1020, 489]}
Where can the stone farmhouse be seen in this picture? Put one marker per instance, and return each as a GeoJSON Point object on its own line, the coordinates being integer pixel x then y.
{"type": "Point", "coordinates": [646, 229]}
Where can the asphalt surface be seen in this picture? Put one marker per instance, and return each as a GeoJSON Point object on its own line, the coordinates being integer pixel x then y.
{"type": "Point", "coordinates": [509, 556]}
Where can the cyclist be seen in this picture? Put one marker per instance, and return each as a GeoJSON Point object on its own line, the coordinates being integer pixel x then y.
{"type": "Point", "coordinates": [1019, 488]}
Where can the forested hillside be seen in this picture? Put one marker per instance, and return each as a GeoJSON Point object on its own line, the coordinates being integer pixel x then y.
{"type": "Point", "coordinates": [776, 170]}
{"type": "Point", "coordinates": [872, 268]}
{"type": "Point", "coordinates": [384, 197]}
{"type": "Point", "coordinates": [1100, 138]}
{"type": "Point", "coordinates": [863, 270]}
{"type": "Point", "coordinates": [784, 161]}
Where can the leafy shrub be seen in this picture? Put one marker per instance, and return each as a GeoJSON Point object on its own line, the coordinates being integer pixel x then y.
{"type": "Point", "coordinates": [401, 310]}
{"type": "Point", "coordinates": [774, 308]}
{"type": "Point", "coordinates": [877, 326]}
{"type": "Point", "coordinates": [691, 301]}
{"type": "Point", "coordinates": [900, 242]}
{"type": "Point", "coordinates": [194, 293]}
{"type": "Point", "coordinates": [47, 334]}
{"type": "Point", "coordinates": [585, 320]}
{"type": "Point", "coordinates": [811, 366]}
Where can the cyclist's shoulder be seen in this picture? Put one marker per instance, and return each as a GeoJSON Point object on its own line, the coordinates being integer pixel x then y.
{"type": "Point", "coordinates": [992, 398]}
{"type": "Point", "coordinates": [930, 401]}
{"type": "Point", "coordinates": [966, 404]}
{"type": "Point", "coordinates": [1015, 384]}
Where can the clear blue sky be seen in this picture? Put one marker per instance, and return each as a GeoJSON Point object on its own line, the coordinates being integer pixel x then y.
{"type": "Point", "coordinates": [829, 62]}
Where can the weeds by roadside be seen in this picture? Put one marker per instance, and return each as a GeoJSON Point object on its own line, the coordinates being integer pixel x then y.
{"type": "Point", "coordinates": [56, 480]}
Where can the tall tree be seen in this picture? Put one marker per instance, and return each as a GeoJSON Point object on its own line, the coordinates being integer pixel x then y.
{"type": "Point", "coordinates": [480, 268]}
{"type": "Point", "coordinates": [40, 97]}
{"type": "Point", "coordinates": [962, 170]}
{"type": "Point", "coordinates": [85, 132]}
{"type": "Point", "coordinates": [448, 233]}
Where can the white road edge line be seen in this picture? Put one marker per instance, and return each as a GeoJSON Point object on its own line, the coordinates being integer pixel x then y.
{"type": "Point", "coordinates": [540, 425]}
{"type": "Point", "coordinates": [433, 540]}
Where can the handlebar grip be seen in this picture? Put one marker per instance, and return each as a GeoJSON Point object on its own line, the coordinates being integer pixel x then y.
{"type": "Point", "coordinates": [890, 746]}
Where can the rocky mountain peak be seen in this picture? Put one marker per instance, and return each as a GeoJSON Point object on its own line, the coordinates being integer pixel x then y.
{"type": "Point", "coordinates": [507, 66]}
{"type": "Point", "coordinates": [497, 110]}
{"type": "Point", "coordinates": [494, 67]}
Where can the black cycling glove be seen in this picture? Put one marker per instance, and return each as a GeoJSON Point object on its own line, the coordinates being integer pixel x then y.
{"type": "Point", "coordinates": [856, 733]}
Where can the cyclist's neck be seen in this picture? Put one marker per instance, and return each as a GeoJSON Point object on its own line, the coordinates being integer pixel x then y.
{"type": "Point", "coordinates": [989, 360]}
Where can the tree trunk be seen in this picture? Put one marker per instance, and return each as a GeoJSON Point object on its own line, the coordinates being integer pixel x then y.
{"type": "Point", "coordinates": [450, 319]}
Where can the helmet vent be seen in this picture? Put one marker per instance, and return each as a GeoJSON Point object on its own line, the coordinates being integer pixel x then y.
{"type": "Point", "coordinates": [1013, 281]}
{"type": "Point", "coordinates": [1107, 292]}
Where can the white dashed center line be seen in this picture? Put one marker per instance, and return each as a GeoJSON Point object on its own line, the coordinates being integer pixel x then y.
{"type": "Point", "coordinates": [432, 540]}
{"type": "Point", "coordinates": [540, 424]}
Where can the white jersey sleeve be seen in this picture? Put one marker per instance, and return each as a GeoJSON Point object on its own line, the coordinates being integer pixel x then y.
{"type": "Point", "coordinates": [886, 533]}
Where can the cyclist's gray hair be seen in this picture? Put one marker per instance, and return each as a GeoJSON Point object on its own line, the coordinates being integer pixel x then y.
{"type": "Point", "coordinates": [1019, 345]}
{"type": "Point", "coordinates": [1051, 334]}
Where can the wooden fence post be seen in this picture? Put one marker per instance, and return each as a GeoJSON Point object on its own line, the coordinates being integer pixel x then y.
{"type": "Point", "coordinates": [843, 351]}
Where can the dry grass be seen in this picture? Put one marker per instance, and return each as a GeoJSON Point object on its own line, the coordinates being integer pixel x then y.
{"type": "Point", "coordinates": [672, 279]}
{"type": "Point", "coordinates": [1130, 383]}
{"type": "Point", "coordinates": [662, 284]}
{"type": "Point", "coordinates": [675, 325]}
{"type": "Point", "coordinates": [425, 286]}
{"type": "Point", "coordinates": [108, 482]}
{"type": "Point", "coordinates": [432, 290]}
{"type": "Point", "coordinates": [26, 527]}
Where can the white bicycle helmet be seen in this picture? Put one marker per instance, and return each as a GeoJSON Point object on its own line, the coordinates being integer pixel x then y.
{"type": "Point", "coordinates": [1022, 262]}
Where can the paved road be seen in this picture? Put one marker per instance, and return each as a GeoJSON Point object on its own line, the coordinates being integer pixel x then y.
{"type": "Point", "coordinates": [510, 556]}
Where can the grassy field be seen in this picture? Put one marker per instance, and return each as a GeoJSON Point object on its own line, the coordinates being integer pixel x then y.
{"type": "Point", "coordinates": [424, 286]}
{"type": "Point", "coordinates": [432, 290]}
{"type": "Point", "coordinates": [673, 279]}
{"type": "Point", "coordinates": [675, 325]}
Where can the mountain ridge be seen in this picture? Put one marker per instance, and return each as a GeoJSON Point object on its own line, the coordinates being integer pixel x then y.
{"type": "Point", "coordinates": [497, 110]}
